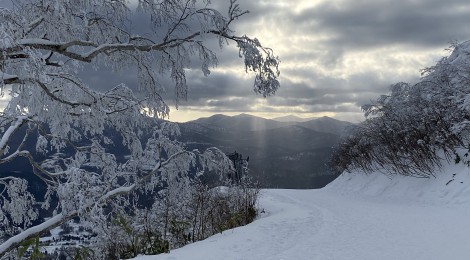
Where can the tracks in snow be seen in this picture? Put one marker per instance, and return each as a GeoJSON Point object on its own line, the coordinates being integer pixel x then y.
{"type": "Point", "coordinates": [318, 224]}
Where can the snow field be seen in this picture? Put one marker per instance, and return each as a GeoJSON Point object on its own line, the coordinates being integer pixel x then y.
{"type": "Point", "coordinates": [355, 217]}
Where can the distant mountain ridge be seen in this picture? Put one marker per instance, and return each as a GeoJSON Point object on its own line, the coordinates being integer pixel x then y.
{"type": "Point", "coordinates": [292, 118]}
{"type": "Point", "coordinates": [245, 122]}
{"type": "Point", "coordinates": [282, 154]}
{"type": "Point", "coordinates": [242, 122]}
{"type": "Point", "coordinates": [327, 125]}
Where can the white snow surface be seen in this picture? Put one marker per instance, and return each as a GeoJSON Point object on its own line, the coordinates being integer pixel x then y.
{"type": "Point", "coordinates": [357, 216]}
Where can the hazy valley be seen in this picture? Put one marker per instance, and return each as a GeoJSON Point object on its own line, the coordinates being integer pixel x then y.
{"type": "Point", "coordinates": [281, 154]}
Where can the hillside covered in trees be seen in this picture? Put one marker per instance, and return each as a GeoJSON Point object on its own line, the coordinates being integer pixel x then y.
{"type": "Point", "coordinates": [290, 155]}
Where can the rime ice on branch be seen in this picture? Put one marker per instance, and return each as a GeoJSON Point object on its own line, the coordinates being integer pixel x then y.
{"type": "Point", "coordinates": [44, 45]}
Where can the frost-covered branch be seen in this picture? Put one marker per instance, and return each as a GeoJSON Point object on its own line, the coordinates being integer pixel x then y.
{"type": "Point", "coordinates": [16, 240]}
{"type": "Point", "coordinates": [10, 131]}
{"type": "Point", "coordinates": [61, 218]}
{"type": "Point", "coordinates": [179, 36]}
{"type": "Point", "coordinates": [94, 145]}
{"type": "Point", "coordinates": [235, 12]}
{"type": "Point", "coordinates": [7, 78]}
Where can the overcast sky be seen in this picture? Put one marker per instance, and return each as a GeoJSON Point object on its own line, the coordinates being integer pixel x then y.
{"type": "Point", "coordinates": [336, 55]}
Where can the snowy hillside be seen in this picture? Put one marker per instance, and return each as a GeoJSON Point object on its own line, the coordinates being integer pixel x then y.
{"type": "Point", "coordinates": [355, 217]}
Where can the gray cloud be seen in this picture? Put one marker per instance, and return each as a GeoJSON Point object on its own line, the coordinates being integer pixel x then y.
{"type": "Point", "coordinates": [365, 24]}
{"type": "Point", "coordinates": [216, 86]}
{"type": "Point", "coordinates": [330, 30]}
{"type": "Point", "coordinates": [325, 94]}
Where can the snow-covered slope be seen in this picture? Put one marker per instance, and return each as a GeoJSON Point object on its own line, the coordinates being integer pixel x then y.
{"type": "Point", "coordinates": [451, 186]}
{"type": "Point", "coordinates": [355, 217]}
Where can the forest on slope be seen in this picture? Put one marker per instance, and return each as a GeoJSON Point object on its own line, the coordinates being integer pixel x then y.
{"type": "Point", "coordinates": [281, 154]}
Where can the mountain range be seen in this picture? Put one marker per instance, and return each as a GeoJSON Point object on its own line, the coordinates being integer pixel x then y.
{"type": "Point", "coordinates": [283, 154]}
{"type": "Point", "coordinates": [291, 118]}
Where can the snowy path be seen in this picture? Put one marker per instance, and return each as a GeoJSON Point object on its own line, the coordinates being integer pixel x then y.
{"type": "Point", "coordinates": [320, 224]}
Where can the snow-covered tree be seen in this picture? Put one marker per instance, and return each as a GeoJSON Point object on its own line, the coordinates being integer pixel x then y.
{"type": "Point", "coordinates": [410, 130]}
{"type": "Point", "coordinates": [44, 47]}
